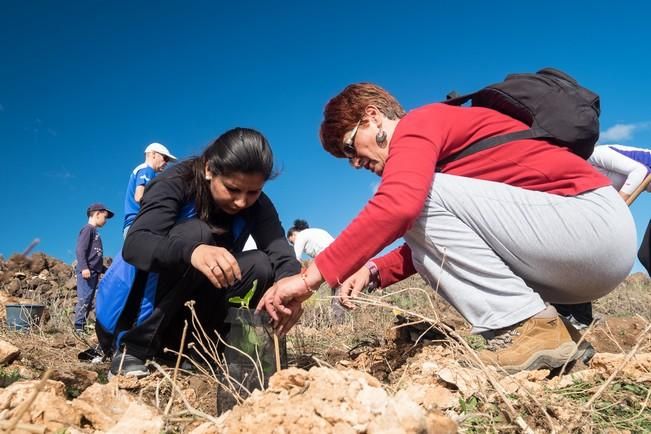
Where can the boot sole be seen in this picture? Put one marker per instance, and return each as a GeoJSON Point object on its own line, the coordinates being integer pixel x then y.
{"type": "Point", "coordinates": [549, 359]}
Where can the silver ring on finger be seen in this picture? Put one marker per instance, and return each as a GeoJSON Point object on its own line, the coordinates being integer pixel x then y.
{"type": "Point", "coordinates": [213, 267]}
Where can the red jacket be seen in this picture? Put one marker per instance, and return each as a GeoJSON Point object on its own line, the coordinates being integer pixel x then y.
{"type": "Point", "coordinates": [420, 139]}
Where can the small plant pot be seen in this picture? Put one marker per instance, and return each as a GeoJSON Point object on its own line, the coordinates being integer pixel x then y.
{"type": "Point", "coordinates": [21, 317]}
{"type": "Point", "coordinates": [250, 356]}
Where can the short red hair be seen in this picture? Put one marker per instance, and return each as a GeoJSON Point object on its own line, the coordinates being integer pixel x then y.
{"type": "Point", "coordinates": [342, 113]}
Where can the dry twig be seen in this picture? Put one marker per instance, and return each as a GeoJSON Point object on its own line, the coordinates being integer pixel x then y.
{"type": "Point", "coordinates": [176, 367]}
{"type": "Point", "coordinates": [188, 406]}
{"type": "Point", "coordinates": [277, 352]}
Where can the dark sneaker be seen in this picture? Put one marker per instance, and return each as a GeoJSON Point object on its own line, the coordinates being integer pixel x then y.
{"type": "Point", "coordinates": [578, 325]}
{"type": "Point", "coordinates": [93, 354]}
{"type": "Point", "coordinates": [536, 343]}
{"type": "Point", "coordinates": [579, 315]}
{"type": "Point", "coordinates": [131, 366]}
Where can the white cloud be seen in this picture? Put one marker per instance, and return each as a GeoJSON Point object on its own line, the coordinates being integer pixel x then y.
{"type": "Point", "coordinates": [621, 132]}
{"type": "Point", "coordinates": [374, 186]}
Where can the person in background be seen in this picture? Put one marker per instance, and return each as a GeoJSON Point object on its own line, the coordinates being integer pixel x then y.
{"type": "Point", "coordinates": [187, 244]}
{"type": "Point", "coordinates": [90, 262]}
{"type": "Point", "coordinates": [501, 233]}
{"type": "Point", "coordinates": [312, 241]}
{"type": "Point", "coordinates": [305, 239]}
{"type": "Point", "coordinates": [156, 158]}
{"type": "Point", "coordinates": [627, 168]}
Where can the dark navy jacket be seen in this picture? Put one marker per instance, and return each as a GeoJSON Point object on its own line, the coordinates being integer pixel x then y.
{"type": "Point", "coordinates": [89, 250]}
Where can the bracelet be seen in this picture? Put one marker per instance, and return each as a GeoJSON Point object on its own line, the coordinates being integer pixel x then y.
{"type": "Point", "coordinates": [374, 282]}
{"type": "Point", "coordinates": [310, 290]}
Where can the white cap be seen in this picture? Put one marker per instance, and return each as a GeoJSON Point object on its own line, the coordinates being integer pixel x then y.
{"type": "Point", "coordinates": [157, 147]}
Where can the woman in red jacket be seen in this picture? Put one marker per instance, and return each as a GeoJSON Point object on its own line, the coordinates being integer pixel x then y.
{"type": "Point", "coordinates": [502, 232]}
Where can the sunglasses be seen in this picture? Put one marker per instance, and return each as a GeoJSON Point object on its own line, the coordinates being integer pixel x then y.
{"type": "Point", "coordinates": [349, 145]}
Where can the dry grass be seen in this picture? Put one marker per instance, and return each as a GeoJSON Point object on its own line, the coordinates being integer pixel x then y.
{"type": "Point", "coordinates": [633, 297]}
{"type": "Point", "coordinates": [617, 404]}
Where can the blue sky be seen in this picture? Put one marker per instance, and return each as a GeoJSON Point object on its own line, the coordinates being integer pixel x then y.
{"type": "Point", "coordinates": [86, 85]}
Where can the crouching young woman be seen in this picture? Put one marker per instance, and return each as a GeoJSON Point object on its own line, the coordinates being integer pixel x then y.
{"type": "Point", "coordinates": [186, 244]}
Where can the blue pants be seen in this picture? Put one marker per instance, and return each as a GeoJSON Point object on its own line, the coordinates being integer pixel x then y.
{"type": "Point", "coordinates": [85, 298]}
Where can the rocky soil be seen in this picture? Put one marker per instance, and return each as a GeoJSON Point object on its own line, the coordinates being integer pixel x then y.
{"type": "Point", "coordinates": [409, 380]}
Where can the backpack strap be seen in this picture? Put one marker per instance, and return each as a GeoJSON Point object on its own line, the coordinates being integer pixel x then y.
{"type": "Point", "coordinates": [491, 142]}
{"type": "Point", "coordinates": [453, 98]}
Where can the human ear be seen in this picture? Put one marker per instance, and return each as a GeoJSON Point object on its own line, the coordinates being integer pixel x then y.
{"type": "Point", "coordinates": [374, 114]}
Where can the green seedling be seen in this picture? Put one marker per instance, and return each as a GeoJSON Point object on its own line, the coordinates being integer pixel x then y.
{"type": "Point", "coordinates": [246, 300]}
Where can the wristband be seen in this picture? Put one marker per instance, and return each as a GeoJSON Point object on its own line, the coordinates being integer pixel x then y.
{"type": "Point", "coordinates": [374, 281]}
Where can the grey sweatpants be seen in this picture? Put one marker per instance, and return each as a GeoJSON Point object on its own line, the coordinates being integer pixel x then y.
{"type": "Point", "coordinates": [499, 252]}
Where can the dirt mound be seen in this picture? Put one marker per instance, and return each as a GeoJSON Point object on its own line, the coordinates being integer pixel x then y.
{"type": "Point", "coordinates": [37, 279]}
{"type": "Point", "coordinates": [49, 409]}
{"type": "Point", "coordinates": [326, 400]}
{"type": "Point", "coordinates": [100, 407]}
{"type": "Point", "coordinates": [618, 334]}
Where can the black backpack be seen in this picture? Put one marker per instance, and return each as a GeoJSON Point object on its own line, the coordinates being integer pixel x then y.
{"type": "Point", "coordinates": [551, 102]}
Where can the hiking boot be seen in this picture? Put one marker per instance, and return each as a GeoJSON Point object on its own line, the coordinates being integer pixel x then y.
{"type": "Point", "coordinates": [585, 350]}
{"type": "Point", "coordinates": [131, 366]}
{"type": "Point", "coordinates": [532, 344]}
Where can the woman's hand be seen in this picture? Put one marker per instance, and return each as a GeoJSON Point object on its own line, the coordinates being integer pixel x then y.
{"type": "Point", "coordinates": [217, 264]}
{"type": "Point", "coordinates": [283, 301]}
{"type": "Point", "coordinates": [353, 286]}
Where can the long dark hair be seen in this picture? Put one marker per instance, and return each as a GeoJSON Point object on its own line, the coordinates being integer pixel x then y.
{"type": "Point", "coordinates": [240, 150]}
{"type": "Point", "coordinates": [299, 225]}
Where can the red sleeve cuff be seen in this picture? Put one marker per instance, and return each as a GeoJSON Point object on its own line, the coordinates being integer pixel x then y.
{"type": "Point", "coordinates": [395, 266]}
